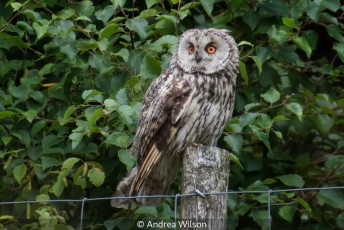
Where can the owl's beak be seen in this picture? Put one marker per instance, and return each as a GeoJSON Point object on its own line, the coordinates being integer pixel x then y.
{"type": "Point", "coordinates": [198, 57]}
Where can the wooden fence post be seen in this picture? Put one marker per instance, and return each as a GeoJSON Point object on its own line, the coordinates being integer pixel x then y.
{"type": "Point", "coordinates": [205, 169]}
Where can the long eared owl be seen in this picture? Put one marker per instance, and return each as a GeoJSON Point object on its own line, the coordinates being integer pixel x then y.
{"type": "Point", "coordinates": [190, 102]}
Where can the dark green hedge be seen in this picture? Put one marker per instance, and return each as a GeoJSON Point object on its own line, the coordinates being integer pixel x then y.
{"type": "Point", "coordinates": [73, 74]}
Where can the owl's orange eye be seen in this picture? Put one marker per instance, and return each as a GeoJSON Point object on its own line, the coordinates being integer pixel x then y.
{"type": "Point", "coordinates": [211, 49]}
{"type": "Point", "coordinates": [191, 49]}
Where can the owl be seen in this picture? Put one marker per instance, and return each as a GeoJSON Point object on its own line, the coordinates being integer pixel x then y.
{"type": "Point", "coordinates": [190, 103]}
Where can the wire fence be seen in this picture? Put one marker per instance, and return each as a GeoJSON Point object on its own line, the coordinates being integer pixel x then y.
{"type": "Point", "coordinates": [176, 197]}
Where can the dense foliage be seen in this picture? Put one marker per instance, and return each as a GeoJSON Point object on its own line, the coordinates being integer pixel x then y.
{"type": "Point", "coordinates": [73, 74]}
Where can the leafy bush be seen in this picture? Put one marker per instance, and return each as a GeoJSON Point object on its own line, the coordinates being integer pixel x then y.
{"type": "Point", "coordinates": [73, 74]}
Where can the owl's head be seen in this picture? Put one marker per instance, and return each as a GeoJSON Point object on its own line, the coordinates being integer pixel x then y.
{"type": "Point", "coordinates": [206, 51]}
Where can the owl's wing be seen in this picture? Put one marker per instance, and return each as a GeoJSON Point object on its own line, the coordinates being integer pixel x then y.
{"type": "Point", "coordinates": [165, 103]}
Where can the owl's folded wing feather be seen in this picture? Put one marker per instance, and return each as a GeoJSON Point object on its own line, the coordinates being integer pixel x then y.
{"type": "Point", "coordinates": [158, 125]}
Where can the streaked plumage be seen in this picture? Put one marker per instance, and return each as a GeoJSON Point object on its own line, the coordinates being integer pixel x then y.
{"type": "Point", "coordinates": [190, 102]}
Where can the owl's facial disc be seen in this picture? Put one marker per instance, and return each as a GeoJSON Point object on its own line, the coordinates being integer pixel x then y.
{"type": "Point", "coordinates": [203, 51]}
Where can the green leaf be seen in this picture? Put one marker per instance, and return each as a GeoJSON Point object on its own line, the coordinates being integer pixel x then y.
{"type": "Point", "coordinates": [280, 118]}
{"type": "Point", "coordinates": [41, 27]}
{"type": "Point", "coordinates": [105, 14]}
{"type": "Point", "coordinates": [70, 50]}
{"type": "Point", "coordinates": [287, 213]}
{"type": "Point", "coordinates": [58, 188]}
{"type": "Point", "coordinates": [118, 3]}
{"type": "Point", "coordinates": [66, 13]}
{"type": "Point", "coordinates": [126, 158]}
{"type": "Point", "coordinates": [147, 210]}
{"type": "Point", "coordinates": [96, 115]}
{"type": "Point", "coordinates": [110, 104]}
{"type": "Point", "coordinates": [46, 69]}
{"type": "Point", "coordinates": [235, 159]}
{"type": "Point", "coordinates": [296, 109]}
{"type": "Point", "coordinates": [21, 92]}
{"type": "Point", "coordinates": [16, 6]}
{"type": "Point", "coordinates": [122, 140]}
{"type": "Point", "coordinates": [323, 123]}
{"type": "Point", "coordinates": [290, 22]}
{"type": "Point", "coordinates": [335, 162]}
{"type": "Point", "coordinates": [80, 181]}
{"type": "Point", "coordinates": [138, 25]}
{"type": "Point", "coordinates": [66, 116]}
{"type": "Point", "coordinates": [268, 181]}
{"type": "Point", "coordinates": [19, 172]}
{"type": "Point", "coordinates": [124, 54]}
{"type": "Point", "coordinates": [76, 139]}
{"type": "Point", "coordinates": [251, 106]}
{"type": "Point", "coordinates": [6, 217]}
{"type": "Point", "coordinates": [30, 115]}
{"type": "Point", "coordinates": [245, 43]}
{"type": "Point", "coordinates": [262, 136]}
{"type": "Point", "coordinates": [302, 44]}
{"type": "Point", "coordinates": [293, 180]}
{"type": "Point", "coordinates": [278, 35]}
{"type": "Point", "coordinates": [151, 3]}
{"type": "Point", "coordinates": [92, 95]}
{"type": "Point", "coordinates": [243, 72]}
{"type": "Point", "coordinates": [278, 134]}
{"type": "Point", "coordinates": [340, 220]}
{"type": "Point", "coordinates": [314, 9]}
{"type": "Point", "coordinates": [38, 126]}
{"type": "Point", "coordinates": [59, 185]}
{"type": "Point", "coordinates": [332, 197]}
{"type": "Point", "coordinates": [333, 5]}
{"type": "Point", "coordinates": [48, 162]}
{"type": "Point", "coordinates": [304, 204]}
{"type": "Point", "coordinates": [235, 141]}
{"type": "Point", "coordinates": [6, 139]}
{"type": "Point", "coordinates": [96, 176]}
{"type": "Point", "coordinates": [272, 95]}
{"type": "Point", "coordinates": [261, 217]}
{"type": "Point", "coordinates": [334, 31]}
{"type": "Point", "coordinates": [150, 67]}
{"type": "Point", "coordinates": [247, 118]}
{"type": "Point", "coordinates": [5, 114]}
{"type": "Point", "coordinates": [258, 64]}
{"type": "Point", "coordinates": [85, 8]}
{"type": "Point", "coordinates": [339, 47]}
{"type": "Point", "coordinates": [109, 30]}
{"type": "Point", "coordinates": [208, 5]}
{"type": "Point", "coordinates": [48, 141]}
{"type": "Point", "coordinates": [264, 121]}
{"type": "Point", "coordinates": [8, 41]}
{"type": "Point", "coordinates": [69, 163]}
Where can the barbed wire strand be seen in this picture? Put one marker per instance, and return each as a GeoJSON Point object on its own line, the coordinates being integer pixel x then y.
{"type": "Point", "coordinates": [176, 197]}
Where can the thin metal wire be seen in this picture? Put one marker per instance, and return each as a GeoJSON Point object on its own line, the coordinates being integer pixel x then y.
{"type": "Point", "coordinates": [176, 207]}
{"type": "Point", "coordinates": [82, 212]}
{"type": "Point", "coordinates": [175, 197]}
{"type": "Point", "coordinates": [269, 208]}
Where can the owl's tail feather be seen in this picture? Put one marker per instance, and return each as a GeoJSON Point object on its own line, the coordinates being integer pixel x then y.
{"type": "Point", "coordinates": [123, 190]}
{"type": "Point", "coordinates": [155, 184]}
